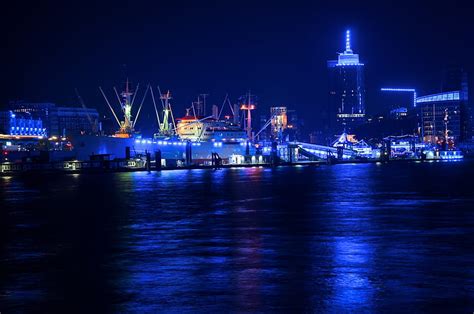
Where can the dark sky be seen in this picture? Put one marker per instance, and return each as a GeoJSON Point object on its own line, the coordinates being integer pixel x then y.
{"type": "Point", "coordinates": [278, 49]}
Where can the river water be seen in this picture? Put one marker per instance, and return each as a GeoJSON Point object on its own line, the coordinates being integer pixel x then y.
{"type": "Point", "coordinates": [343, 238]}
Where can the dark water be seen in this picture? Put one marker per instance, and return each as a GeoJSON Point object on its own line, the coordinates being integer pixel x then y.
{"type": "Point", "coordinates": [344, 238]}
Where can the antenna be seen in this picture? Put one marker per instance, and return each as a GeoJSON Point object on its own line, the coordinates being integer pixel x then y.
{"type": "Point", "coordinates": [348, 41]}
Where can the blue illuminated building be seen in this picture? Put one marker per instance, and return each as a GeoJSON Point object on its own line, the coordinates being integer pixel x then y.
{"type": "Point", "coordinates": [446, 117]}
{"type": "Point", "coordinates": [19, 125]}
{"type": "Point", "coordinates": [60, 121]}
{"type": "Point", "coordinates": [441, 117]}
{"type": "Point", "coordinates": [346, 90]}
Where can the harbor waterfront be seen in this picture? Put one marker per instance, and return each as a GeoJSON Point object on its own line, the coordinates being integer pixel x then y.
{"type": "Point", "coordinates": [375, 237]}
{"type": "Point", "coordinates": [237, 157]}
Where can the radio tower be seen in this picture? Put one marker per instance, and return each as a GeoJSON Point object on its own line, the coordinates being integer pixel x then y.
{"type": "Point", "coordinates": [248, 104]}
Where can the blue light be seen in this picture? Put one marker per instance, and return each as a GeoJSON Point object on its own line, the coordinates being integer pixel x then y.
{"type": "Point", "coordinates": [449, 96]}
{"type": "Point", "coordinates": [409, 90]}
{"type": "Point", "coordinates": [398, 90]}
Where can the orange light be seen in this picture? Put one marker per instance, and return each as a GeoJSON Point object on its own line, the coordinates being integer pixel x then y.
{"type": "Point", "coordinates": [247, 107]}
{"type": "Point", "coordinates": [122, 135]}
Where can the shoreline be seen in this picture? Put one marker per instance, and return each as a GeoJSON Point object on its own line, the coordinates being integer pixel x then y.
{"type": "Point", "coordinates": [101, 168]}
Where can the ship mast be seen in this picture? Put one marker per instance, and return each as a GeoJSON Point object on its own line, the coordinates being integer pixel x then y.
{"type": "Point", "coordinates": [127, 127]}
{"type": "Point", "coordinates": [126, 104]}
{"type": "Point", "coordinates": [248, 105]}
{"type": "Point", "coordinates": [165, 127]}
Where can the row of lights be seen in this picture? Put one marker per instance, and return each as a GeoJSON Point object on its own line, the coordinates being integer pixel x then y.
{"type": "Point", "coordinates": [216, 144]}
{"type": "Point", "coordinates": [165, 143]}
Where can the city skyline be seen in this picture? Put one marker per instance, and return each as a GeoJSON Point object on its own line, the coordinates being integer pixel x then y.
{"type": "Point", "coordinates": [288, 70]}
{"type": "Point", "coordinates": [236, 156]}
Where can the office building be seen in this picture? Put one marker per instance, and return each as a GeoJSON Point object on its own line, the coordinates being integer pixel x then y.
{"type": "Point", "coordinates": [346, 91]}
{"type": "Point", "coordinates": [60, 121]}
{"type": "Point", "coordinates": [441, 117]}
{"type": "Point", "coordinates": [456, 79]}
{"type": "Point", "coordinates": [446, 118]}
{"type": "Point", "coordinates": [20, 124]}
{"type": "Point", "coordinates": [76, 120]}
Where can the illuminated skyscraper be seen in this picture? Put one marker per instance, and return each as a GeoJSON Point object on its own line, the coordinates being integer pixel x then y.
{"type": "Point", "coordinates": [346, 90]}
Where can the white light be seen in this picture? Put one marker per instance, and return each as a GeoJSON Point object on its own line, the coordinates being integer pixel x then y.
{"type": "Point", "coordinates": [348, 40]}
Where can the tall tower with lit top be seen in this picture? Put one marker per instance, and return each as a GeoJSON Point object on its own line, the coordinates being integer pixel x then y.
{"type": "Point", "coordinates": [346, 107]}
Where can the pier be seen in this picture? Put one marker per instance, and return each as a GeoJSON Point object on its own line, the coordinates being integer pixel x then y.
{"type": "Point", "coordinates": [288, 154]}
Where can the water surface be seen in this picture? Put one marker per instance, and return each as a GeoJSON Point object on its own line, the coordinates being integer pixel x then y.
{"type": "Point", "coordinates": [343, 238]}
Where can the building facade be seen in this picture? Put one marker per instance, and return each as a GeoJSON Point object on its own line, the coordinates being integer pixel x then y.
{"type": "Point", "coordinates": [456, 79]}
{"type": "Point", "coordinates": [446, 118]}
{"type": "Point", "coordinates": [76, 120]}
{"type": "Point", "coordinates": [60, 121]}
{"type": "Point", "coordinates": [346, 91]}
{"type": "Point", "coordinates": [279, 122]}
{"type": "Point", "coordinates": [20, 124]}
{"type": "Point", "coordinates": [441, 117]}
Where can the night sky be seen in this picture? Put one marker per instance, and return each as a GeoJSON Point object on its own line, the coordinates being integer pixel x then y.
{"type": "Point", "coordinates": [277, 49]}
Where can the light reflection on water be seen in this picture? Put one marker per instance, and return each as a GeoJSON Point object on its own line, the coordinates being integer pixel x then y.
{"type": "Point", "coordinates": [340, 238]}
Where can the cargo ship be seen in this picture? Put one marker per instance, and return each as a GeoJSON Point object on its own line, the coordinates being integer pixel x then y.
{"type": "Point", "coordinates": [202, 137]}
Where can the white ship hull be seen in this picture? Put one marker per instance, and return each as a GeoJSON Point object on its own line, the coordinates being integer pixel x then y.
{"type": "Point", "coordinates": [87, 145]}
